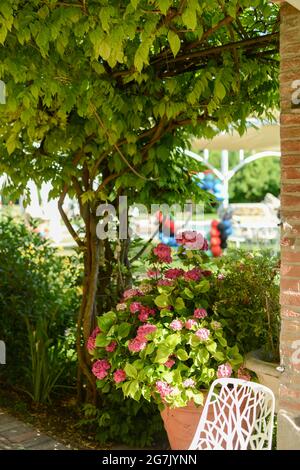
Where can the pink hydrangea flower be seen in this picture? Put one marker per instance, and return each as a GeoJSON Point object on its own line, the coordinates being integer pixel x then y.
{"type": "Point", "coordinates": [164, 282]}
{"type": "Point", "coordinates": [100, 368]}
{"type": "Point", "coordinates": [163, 253]}
{"type": "Point", "coordinates": [192, 240]}
{"type": "Point", "coordinates": [153, 273]}
{"type": "Point", "coordinates": [200, 313]}
{"type": "Point", "coordinates": [170, 362]}
{"type": "Point", "coordinates": [111, 346]}
{"type": "Point", "coordinates": [206, 272]}
{"type": "Point", "coordinates": [176, 325]}
{"type": "Point", "coordinates": [189, 383]}
{"type": "Point", "coordinates": [137, 344]}
{"type": "Point", "coordinates": [145, 330]}
{"type": "Point", "coordinates": [119, 376]}
{"type": "Point", "coordinates": [143, 316]}
{"type": "Point", "coordinates": [193, 274]}
{"type": "Point", "coordinates": [91, 342]}
{"type": "Point", "coordinates": [203, 334]}
{"type": "Point", "coordinates": [121, 306]}
{"type": "Point", "coordinates": [173, 273]}
{"type": "Point", "coordinates": [163, 388]}
{"type": "Point", "coordinates": [243, 374]}
{"type": "Point", "coordinates": [135, 307]}
{"type": "Point", "coordinates": [190, 323]}
{"type": "Point", "coordinates": [131, 293]}
{"type": "Point", "coordinates": [224, 370]}
{"type": "Point", "coordinates": [221, 277]}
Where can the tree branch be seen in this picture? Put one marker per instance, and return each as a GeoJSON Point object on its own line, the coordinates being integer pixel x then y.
{"type": "Point", "coordinates": [64, 216]}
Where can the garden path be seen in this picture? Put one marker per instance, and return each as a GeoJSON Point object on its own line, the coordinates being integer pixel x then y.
{"type": "Point", "coordinates": [16, 435]}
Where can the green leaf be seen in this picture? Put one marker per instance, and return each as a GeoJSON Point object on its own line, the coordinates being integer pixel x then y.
{"type": "Point", "coordinates": [102, 340]}
{"type": "Point", "coordinates": [188, 293]}
{"type": "Point", "coordinates": [211, 347]}
{"type": "Point", "coordinates": [123, 330]}
{"type": "Point", "coordinates": [174, 42]}
{"type": "Point", "coordinates": [202, 356]}
{"type": "Point", "coordinates": [163, 5]}
{"type": "Point", "coordinates": [198, 398]}
{"type": "Point", "coordinates": [179, 304]}
{"type": "Point", "coordinates": [189, 18]}
{"type": "Point", "coordinates": [163, 353]}
{"type": "Point", "coordinates": [220, 91]}
{"type": "Point", "coordinates": [106, 321]}
{"type": "Point", "coordinates": [162, 300]}
{"type": "Point", "coordinates": [182, 355]}
{"type": "Point", "coordinates": [130, 370]}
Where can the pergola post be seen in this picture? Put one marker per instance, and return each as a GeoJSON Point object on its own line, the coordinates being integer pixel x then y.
{"type": "Point", "coordinates": [289, 401]}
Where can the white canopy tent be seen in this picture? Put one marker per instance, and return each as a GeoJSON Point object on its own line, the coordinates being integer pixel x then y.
{"type": "Point", "coordinates": [262, 141]}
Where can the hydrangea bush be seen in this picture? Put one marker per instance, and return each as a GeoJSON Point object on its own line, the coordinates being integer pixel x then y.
{"type": "Point", "coordinates": [162, 342]}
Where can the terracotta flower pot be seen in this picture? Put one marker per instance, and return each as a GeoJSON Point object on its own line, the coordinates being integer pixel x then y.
{"type": "Point", "coordinates": [181, 424]}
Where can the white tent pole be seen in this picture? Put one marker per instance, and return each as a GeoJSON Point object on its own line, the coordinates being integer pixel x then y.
{"type": "Point", "coordinates": [225, 173]}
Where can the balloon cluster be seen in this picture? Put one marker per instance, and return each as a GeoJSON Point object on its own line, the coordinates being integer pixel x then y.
{"type": "Point", "coordinates": [209, 182]}
{"type": "Point", "coordinates": [219, 232]}
{"type": "Point", "coordinates": [166, 230]}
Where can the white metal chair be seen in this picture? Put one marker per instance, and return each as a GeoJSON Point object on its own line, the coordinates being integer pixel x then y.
{"type": "Point", "coordinates": [237, 415]}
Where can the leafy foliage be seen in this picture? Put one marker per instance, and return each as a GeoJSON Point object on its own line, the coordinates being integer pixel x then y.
{"type": "Point", "coordinates": [162, 335]}
{"type": "Point", "coordinates": [246, 301]}
{"type": "Point", "coordinates": [124, 421]}
{"type": "Point", "coordinates": [38, 300]}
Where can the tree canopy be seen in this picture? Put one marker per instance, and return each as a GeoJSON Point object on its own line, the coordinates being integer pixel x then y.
{"type": "Point", "coordinates": [102, 96]}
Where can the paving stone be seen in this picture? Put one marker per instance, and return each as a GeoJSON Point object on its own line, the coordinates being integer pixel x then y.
{"type": "Point", "coordinates": [16, 435]}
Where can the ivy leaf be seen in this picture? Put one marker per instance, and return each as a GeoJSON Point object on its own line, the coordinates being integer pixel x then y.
{"type": "Point", "coordinates": [174, 42]}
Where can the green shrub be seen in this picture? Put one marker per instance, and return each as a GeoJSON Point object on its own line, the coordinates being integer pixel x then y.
{"type": "Point", "coordinates": [37, 288]}
{"type": "Point", "coordinates": [245, 298]}
{"type": "Point", "coordinates": [124, 421]}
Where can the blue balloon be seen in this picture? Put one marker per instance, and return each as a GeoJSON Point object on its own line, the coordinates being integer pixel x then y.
{"type": "Point", "coordinates": [209, 177]}
{"type": "Point", "coordinates": [228, 231]}
{"type": "Point", "coordinates": [226, 223]}
{"type": "Point", "coordinates": [218, 187]}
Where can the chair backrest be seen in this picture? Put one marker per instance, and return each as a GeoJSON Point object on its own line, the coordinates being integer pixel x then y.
{"type": "Point", "coordinates": [237, 415]}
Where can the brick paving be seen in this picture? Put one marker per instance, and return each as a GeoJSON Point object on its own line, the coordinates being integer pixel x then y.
{"type": "Point", "coordinates": [16, 435]}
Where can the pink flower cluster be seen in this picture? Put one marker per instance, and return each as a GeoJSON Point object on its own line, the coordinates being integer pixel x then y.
{"type": "Point", "coordinates": [192, 240]}
{"type": "Point", "coordinates": [131, 293]}
{"type": "Point", "coordinates": [203, 334]}
{"type": "Point", "coordinates": [224, 370]}
{"type": "Point", "coordinates": [91, 342]}
{"type": "Point", "coordinates": [189, 383]}
{"type": "Point", "coordinates": [163, 253]}
{"type": "Point", "coordinates": [111, 346]}
{"type": "Point", "coordinates": [190, 323]}
{"type": "Point", "coordinates": [145, 313]}
{"type": "Point", "coordinates": [119, 376]}
{"type": "Point", "coordinates": [164, 282]}
{"type": "Point", "coordinates": [176, 325]}
{"type": "Point", "coordinates": [163, 388]}
{"type": "Point", "coordinates": [170, 362]}
{"type": "Point", "coordinates": [100, 368]}
{"type": "Point", "coordinates": [139, 343]}
{"type": "Point", "coordinates": [135, 307]}
{"type": "Point", "coordinates": [173, 273]}
{"type": "Point", "coordinates": [136, 345]}
{"type": "Point", "coordinates": [193, 274]}
{"type": "Point", "coordinates": [200, 313]}
{"type": "Point", "coordinates": [153, 273]}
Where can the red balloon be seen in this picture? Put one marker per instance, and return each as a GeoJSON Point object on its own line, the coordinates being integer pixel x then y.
{"type": "Point", "coordinates": [215, 241]}
{"type": "Point", "coordinates": [216, 251]}
{"type": "Point", "coordinates": [215, 232]}
{"type": "Point", "coordinates": [215, 223]}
